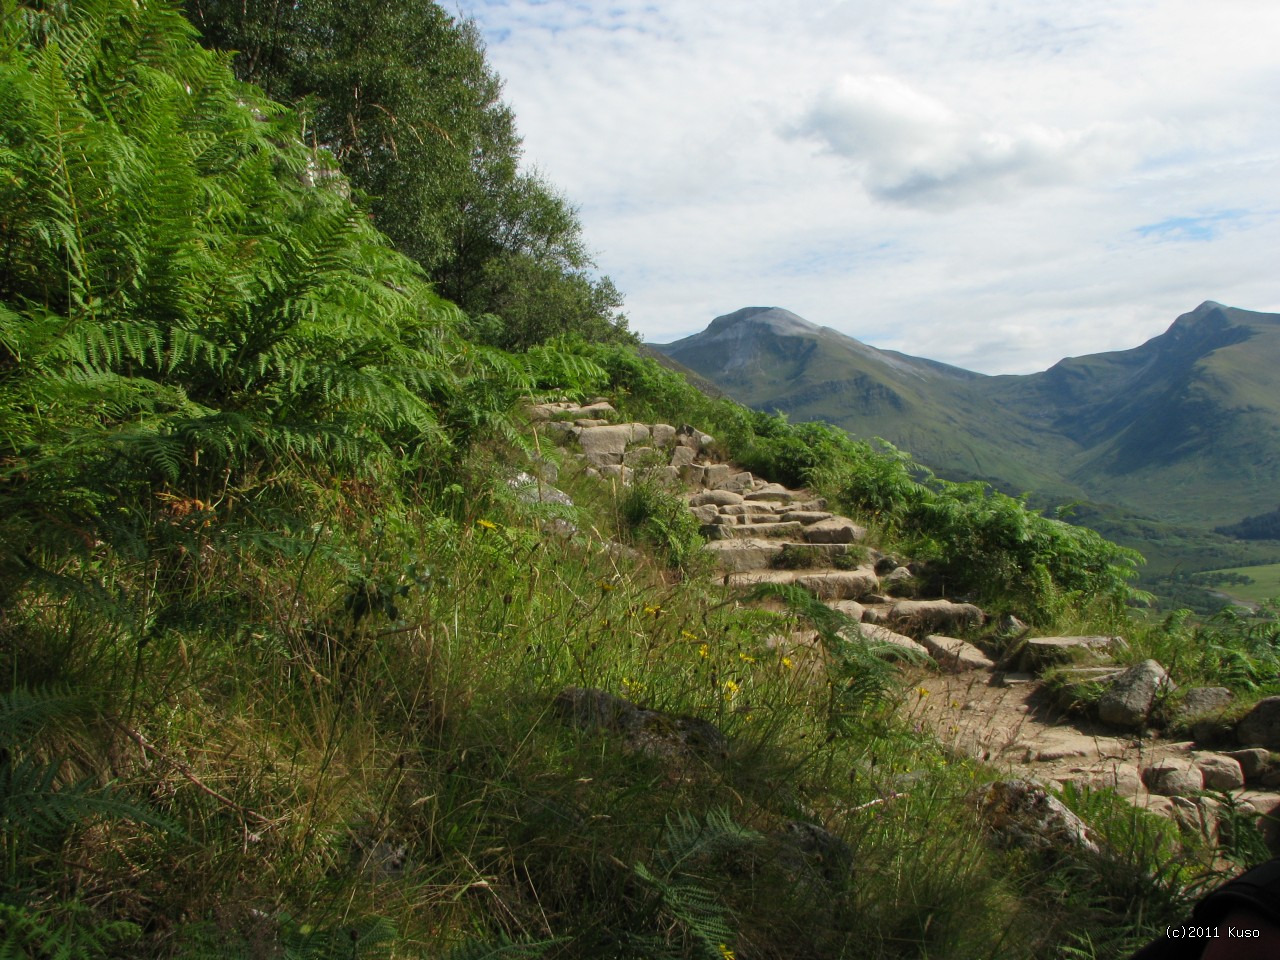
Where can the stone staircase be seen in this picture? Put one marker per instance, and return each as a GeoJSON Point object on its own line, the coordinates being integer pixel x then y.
{"type": "Point", "coordinates": [999, 712]}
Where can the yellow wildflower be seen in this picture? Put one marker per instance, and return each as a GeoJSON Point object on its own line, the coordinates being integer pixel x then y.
{"type": "Point", "coordinates": [654, 610]}
{"type": "Point", "coordinates": [786, 662]}
{"type": "Point", "coordinates": [726, 953]}
{"type": "Point", "coordinates": [688, 636]}
{"type": "Point", "coordinates": [704, 651]}
{"type": "Point", "coordinates": [486, 525]}
{"type": "Point", "coordinates": [746, 659]}
{"type": "Point", "coordinates": [922, 691]}
{"type": "Point", "coordinates": [730, 689]}
{"type": "Point", "coordinates": [605, 585]}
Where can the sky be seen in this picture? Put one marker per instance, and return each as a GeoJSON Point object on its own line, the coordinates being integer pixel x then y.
{"type": "Point", "coordinates": [995, 184]}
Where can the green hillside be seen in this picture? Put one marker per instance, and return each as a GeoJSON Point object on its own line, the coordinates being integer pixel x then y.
{"type": "Point", "coordinates": [1175, 437]}
{"type": "Point", "coordinates": [314, 645]}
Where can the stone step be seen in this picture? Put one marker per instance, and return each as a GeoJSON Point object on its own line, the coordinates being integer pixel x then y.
{"type": "Point", "coordinates": [767, 531]}
{"type": "Point", "coordinates": [736, 556]}
{"type": "Point", "coordinates": [824, 584]}
{"type": "Point", "coordinates": [775, 492]}
{"type": "Point", "coordinates": [834, 530]}
{"type": "Point", "coordinates": [807, 516]}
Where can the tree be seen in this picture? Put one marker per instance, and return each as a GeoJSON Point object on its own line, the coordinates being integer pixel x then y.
{"type": "Point", "coordinates": [403, 96]}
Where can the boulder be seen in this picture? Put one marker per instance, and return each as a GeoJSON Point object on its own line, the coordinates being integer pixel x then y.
{"type": "Point", "coordinates": [956, 656]}
{"type": "Point", "coordinates": [1022, 813]}
{"type": "Point", "coordinates": [1220, 772]}
{"type": "Point", "coordinates": [1173, 777]}
{"type": "Point", "coordinates": [683, 456]}
{"type": "Point", "coordinates": [1260, 727]}
{"type": "Point", "coordinates": [706, 513]}
{"type": "Point", "coordinates": [529, 489]}
{"type": "Point", "coordinates": [1200, 700]}
{"type": "Point", "coordinates": [747, 509]}
{"type": "Point", "coordinates": [1128, 699]}
{"type": "Point", "coordinates": [835, 530]}
{"type": "Point", "coordinates": [1041, 652]}
{"type": "Point", "coordinates": [663, 434]}
{"type": "Point", "coordinates": [1254, 762]}
{"type": "Point", "coordinates": [604, 446]}
{"type": "Point", "coordinates": [874, 633]}
{"type": "Point", "coordinates": [647, 731]}
{"type": "Point", "coordinates": [839, 584]}
{"type": "Point", "coordinates": [716, 474]}
{"type": "Point", "coordinates": [924, 615]}
{"type": "Point", "coordinates": [775, 492]}
{"type": "Point", "coordinates": [688, 436]}
{"type": "Point", "coordinates": [850, 608]}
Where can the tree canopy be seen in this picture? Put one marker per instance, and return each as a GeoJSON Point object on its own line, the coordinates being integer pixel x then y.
{"type": "Point", "coordinates": [403, 96]}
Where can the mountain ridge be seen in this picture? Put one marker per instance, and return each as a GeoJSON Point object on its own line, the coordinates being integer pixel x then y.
{"type": "Point", "coordinates": [1182, 428]}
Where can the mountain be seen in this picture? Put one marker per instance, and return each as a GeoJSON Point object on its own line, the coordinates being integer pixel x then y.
{"type": "Point", "coordinates": [1183, 429]}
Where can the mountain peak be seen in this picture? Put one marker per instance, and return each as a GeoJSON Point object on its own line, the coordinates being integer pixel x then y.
{"type": "Point", "coordinates": [778, 320]}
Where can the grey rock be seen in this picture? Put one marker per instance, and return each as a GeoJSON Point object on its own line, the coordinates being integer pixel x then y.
{"type": "Point", "coordinates": [715, 474]}
{"type": "Point", "coordinates": [683, 456]}
{"type": "Point", "coordinates": [1128, 699]}
{"type": "Point", "coordinates": [644, 730]}
{"type": "Point", "coordinates": [1198, 700]}
{"type": "Point", "coordinates": [874, 633]}
{"type": "Point", "coordinates": [956, 656]}
{"type": "Point", "coordinates": [1173, 777]}
{"type": "Point", "coordinates": [605, 446]}
{"type": "Point", "coordinates": [1220, 772]}
{"type": "Point", "coordinates": [1022, 813]}
{"type": "Point", "coordinates": [926, 615]}
{"type": "Point", "coordinates": [1260, 727]}
{"type": "Point", "coordinates": [1041, 652]}
{"type": "Point", "coordinates": [706, 513]}
{"type": "Point", "coordinates": [835, 530]}
{"type": "Point", "coordinates": [1254, 762]}
{"type": "Point", "coordinates": [720, 498]}
{"type": "Point", "coordinates": [663, 434]}
{"type": "Point", "coordinates": [529, 489]}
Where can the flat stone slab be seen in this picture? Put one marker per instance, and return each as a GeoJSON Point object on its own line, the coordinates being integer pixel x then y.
{"type": "Point", "coordinates": [770, 531]}
{"type": "Point", "coordinates": [745, 509]}
{"type": "Point", "coordinates": [775, 492]}
{"type": "Point", "coordinates": [956, 656]}
{"type": "Point", "coordinates": [807, 516]}
{"type": "Point", "coordinates": [736, 556]}
{"type": "Point", "coordinates": [824, 584]}
{"type": "Point", "coordinates": [719, 498]}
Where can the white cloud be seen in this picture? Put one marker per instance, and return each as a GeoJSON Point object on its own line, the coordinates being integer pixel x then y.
{"type": "Point", "coordinates": [994, 184]}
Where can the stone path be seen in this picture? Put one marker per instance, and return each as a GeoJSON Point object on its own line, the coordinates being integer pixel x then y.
{"type": "Point", "coordinates": [763, 532]}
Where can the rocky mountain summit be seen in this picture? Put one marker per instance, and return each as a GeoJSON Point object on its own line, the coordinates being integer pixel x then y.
{"type": "Point", "coordinates": [989, 690]}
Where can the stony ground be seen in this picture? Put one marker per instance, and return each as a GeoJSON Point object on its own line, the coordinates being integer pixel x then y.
{"type": "Point", "coordinates": [1002, 713]}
